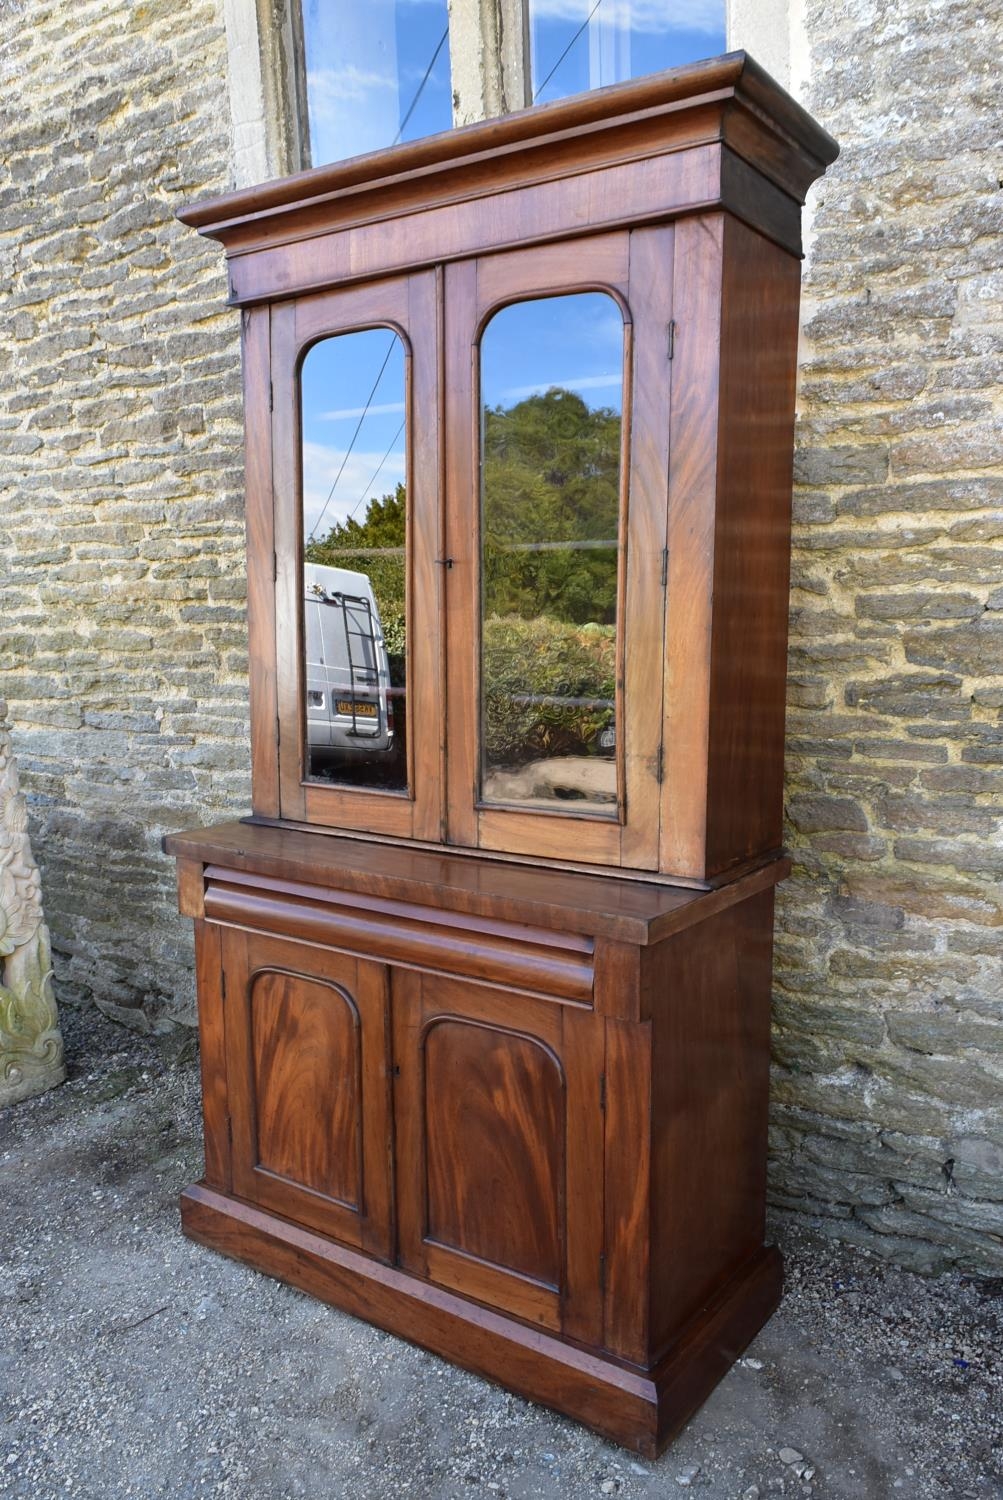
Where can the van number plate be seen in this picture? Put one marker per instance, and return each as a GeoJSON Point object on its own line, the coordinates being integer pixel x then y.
{"type": "Point", "coordinates": [361, 710]}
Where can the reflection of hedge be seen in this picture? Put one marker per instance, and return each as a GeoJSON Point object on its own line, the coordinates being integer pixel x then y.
{"type": "Point", "coordinates": [544, 658]}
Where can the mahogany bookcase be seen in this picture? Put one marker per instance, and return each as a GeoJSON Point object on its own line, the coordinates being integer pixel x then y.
{"type": "Point", "coordinates": [484, 980]}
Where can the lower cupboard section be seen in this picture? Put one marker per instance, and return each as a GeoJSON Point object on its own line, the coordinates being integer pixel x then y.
{"type": "Point", "coordinates": [565, 1197]}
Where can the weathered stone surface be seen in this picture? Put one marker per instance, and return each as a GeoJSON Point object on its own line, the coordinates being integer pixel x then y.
{"type": "Point", "coordinates": [122, 383]}
{"type": "Point", "coordinates": [896, 661]}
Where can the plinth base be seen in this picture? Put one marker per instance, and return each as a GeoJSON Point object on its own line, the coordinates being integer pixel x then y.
{"type": "Point", "coordinates": [642, 1409]}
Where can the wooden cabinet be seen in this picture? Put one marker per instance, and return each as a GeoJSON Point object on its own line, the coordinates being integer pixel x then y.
{"type": "Point", "coordinates": [484, 980]}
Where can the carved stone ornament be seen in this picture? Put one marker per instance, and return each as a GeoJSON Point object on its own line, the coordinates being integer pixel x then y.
{"type": "Point", "coordinates": [31, 1048]}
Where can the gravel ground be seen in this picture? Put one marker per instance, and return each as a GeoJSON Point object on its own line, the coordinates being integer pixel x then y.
{"type": "Point", "coordinates": [136, 1364]}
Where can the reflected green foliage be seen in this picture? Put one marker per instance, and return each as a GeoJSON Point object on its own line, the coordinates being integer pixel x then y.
{"type": "Point", "coordinates": [545, 658]}
{"type": "Point", "coordinates": [551, 474]}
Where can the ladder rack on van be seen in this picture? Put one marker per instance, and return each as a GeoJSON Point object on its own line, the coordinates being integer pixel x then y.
{"type": "Point", "coordinates": [369, 675]}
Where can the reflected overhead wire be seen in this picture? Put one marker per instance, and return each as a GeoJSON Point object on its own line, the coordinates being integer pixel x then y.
{"type": "Point", "coordinates": [355, 434]}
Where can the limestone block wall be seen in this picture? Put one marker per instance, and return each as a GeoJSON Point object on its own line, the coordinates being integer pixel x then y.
{"type": "Point", "coordinates": [122, 573]}
{"type": "Point", "coordinates": [121, 540]}
{"type": "Point", "coordinates": [888, 1089]}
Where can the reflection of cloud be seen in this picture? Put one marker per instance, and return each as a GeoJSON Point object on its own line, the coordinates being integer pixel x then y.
{"type": "Point", "coordinates": [355, 487]}
{"type": "Point", "coordinates": [583, 383]}
{"type": "Point", "coordinates": [330, 87]}
{"type": "Point", "coordinates": [388, 408]}
{"type": "Point", "coordinates": [651, 16]}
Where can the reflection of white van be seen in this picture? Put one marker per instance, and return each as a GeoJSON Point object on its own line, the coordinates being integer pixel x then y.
{"type": "Point", "coordinates": [348, 705]}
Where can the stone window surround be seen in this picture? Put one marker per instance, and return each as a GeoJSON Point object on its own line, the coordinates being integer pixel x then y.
{"type": "Point", "coordinates": [489, 50]}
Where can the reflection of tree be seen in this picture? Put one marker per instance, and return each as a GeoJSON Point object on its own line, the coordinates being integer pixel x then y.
{"type": "Point", "coordinates": [551, 475]}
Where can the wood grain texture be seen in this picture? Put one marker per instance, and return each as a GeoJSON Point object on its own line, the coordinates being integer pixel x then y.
{"type": "Point", "coordinates": [190, 887]}
{"type": "Point", "coordinates": [306, 1064]}
{"type": "Point", "coordinates": [498, 1197]}
{"type": "Point", "coordinates": [748, 668]}
{"type": "Point", "coordinates": [500, 1094]}
{"type": "Point", "coordinates": [710, 1031]}
{"type": "Point", "coordinates": [692, 497]}
{"type": "Point", "coordinates": [212, 1057]}
{"type": "Point", "coordinates": [259, 521]}
{"type": "Point", "coordinates": [306, 1048]}
{"type": "Point", "coordinates": [589, 905]}
{"type": "Point", "coordinates": [498, 953]}
{"type": "Point", "coordinates": [640, 1410]}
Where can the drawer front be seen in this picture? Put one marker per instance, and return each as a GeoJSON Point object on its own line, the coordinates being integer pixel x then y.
{"type": "Point", "coordinates": [529, 960]}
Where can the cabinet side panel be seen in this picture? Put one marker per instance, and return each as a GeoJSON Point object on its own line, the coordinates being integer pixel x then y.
{"type": "Point", "coordinates": [710, 1092]}
{"type": "Point", "coordinates": [761, 287]}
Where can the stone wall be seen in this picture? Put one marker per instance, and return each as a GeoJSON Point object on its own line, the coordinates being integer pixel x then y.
{"type": "Point", "coordinates": [122, 569]}
{"type": "Point", "coordinates": [121, 540]}
{"type": "Point", "coordinates": [888, 1118]}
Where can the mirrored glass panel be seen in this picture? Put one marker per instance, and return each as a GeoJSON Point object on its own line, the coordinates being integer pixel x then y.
{"type": "Point", "coordinates": [581, 44]}
{"type": "Point", "coordinates": [376, 73]}
{"type": "Point", "coordinates": [353, 433]}
{"type": "Point", "coordinates": [551, 420]}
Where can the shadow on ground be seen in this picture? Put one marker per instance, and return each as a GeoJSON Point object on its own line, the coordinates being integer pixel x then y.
{"type": "Point", "coordinates": [136, 1364]}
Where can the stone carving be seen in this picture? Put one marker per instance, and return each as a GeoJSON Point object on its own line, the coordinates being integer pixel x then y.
{"type": "Point", "coordinates": [31, 1048]}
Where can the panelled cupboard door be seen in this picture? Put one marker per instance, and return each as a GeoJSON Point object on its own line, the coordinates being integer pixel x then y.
{"type": "Point", "coordinates": [306, 1039]}
{"type": "Point", "coordinates": [499, 1148]}
{"type": "Point", "coordinates": [355, 443]}
{"type": "Point", "coordinates": [557, 422]}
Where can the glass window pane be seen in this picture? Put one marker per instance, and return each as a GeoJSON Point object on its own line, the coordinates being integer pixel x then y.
{"type": "Point", "coordinates": [581, 44]}
{"type": "Point", "coordinates": [551, 418]}
{"type": "Point", "coordinates": [377, 73]}
{"type": "Point", "coordinates": [352, 393]}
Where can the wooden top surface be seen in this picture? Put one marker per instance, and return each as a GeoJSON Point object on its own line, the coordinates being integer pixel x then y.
{"type": "Point", "coordinates": [729, 99]}
{"type": "Point", "coordinates": [597, 905]}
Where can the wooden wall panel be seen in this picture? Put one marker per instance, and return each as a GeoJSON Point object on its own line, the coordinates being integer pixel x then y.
{"type": "Point", "coordinates": [710, 1093]}
{"type": "Point", "coordinates": [748, 678]}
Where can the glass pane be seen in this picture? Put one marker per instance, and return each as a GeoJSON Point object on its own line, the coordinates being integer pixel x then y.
{"type": "Point", "coordinates": [551, 417]}
{"type": "Point", "coordinates": [352, 392]}
{"type": "Point", "coordinates": [581, 44]}
{"type": "Point", "coordinates": [376, 73]}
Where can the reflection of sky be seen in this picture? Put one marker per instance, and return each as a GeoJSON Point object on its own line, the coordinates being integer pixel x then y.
{"type": "Point", "coordinates": [338, 376]}
{"type": "Point", "coordinates": [622, 39]}
{"type": "Point", "coordinates": [352, 453]}
{"type": "Point", "coordinates": [575, 342]}
{"type": "Point", "coordinates": [365, 63]}
{"type": "Point", "coordinates": [366, 59]}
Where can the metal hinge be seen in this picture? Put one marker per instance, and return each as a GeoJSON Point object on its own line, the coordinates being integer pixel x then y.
{"type": "Point", "coordinates": [660, 772]}
{"type": "Point", "coordinates": [602, 1091]}
{"type": "Point", "coordinates": [665, 567]}
{"type": "Point", "coordinates": [222, 980]}
{"type": "Point", "coordinates": [229, 1130]}
{"type": "Point", "coordinates": [602, 1271]}
{"type": "Point", "coordinates": [670, 337]}
{"type": "Point", "coordinates": [275, 567]}
{"type": "Point", "coordinates": [271, 394]}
